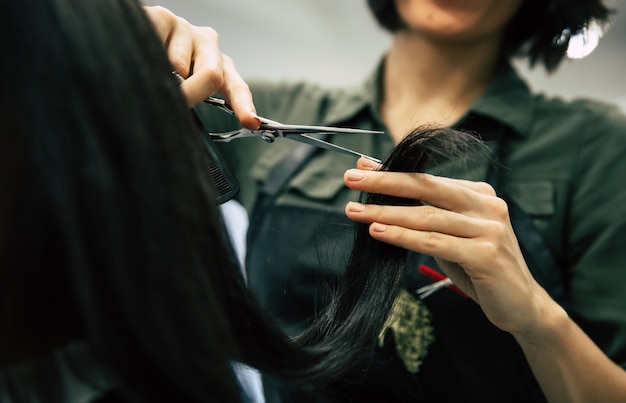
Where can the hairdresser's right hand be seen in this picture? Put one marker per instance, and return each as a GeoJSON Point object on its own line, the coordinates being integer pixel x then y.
{"type": "Point", "coordinates": [195, 55]}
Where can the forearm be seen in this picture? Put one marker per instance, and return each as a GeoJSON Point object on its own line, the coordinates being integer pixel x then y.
{"type": "Point", "coordinates": [567, 363]}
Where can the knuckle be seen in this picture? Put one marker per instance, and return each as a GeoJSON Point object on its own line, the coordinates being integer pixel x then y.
{"type": "Point", "coordinates": [488, 250]}
{"type": "Point", "coordinates": [427, 180]}
{"type": "Point", "coordinates": [423, 183]}
{"type": "Point", "coordinates": [497, 208]}
{"type": "Point", "coordinates": [428, 215]}
{"type": "Point", "coordinates": [163, 13]}
{"type": "Point", "coordinates": [496, 230]}
{"type": "Point", "coordinates": [376, 213]}
{"type": "Point", "coordinates": [432, 241]}
{"type": "Point", "coordinates": [230, 69]}
{"type": "Point", "coordinates": [485, 188]}
{"type": "Point", "coordinates": [215, 76]}
{"type": "Point", "coordinates": [207, 33]}
{"type": "Point", "coordinates": [182, 24]}
{"type": "Point", "coordinates": [239, 87]}
{"type": "Point", "coordinates": [162, 19]}
{"type": "Point", "coordinates": [228, 61]}
{"type": "Point", "coordinates": [181, 64]}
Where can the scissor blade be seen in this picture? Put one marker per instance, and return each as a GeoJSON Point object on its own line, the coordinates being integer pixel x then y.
{"type": "Point", "coordinates": [308, 139]}
{"type": "Point", "coordinates": [267, 124]}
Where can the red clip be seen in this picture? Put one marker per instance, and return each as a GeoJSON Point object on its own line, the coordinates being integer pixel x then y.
{"type": "Point", "coordinates": [436, 276]}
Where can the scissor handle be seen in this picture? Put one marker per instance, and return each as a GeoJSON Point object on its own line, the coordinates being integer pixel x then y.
{"type": "Point", "coordinates": [220, 103]}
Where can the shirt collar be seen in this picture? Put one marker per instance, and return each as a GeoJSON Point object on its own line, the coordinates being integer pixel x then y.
{"type": "Point", "coordinates": [347, 103]}
{"type": "Point", "coordinates": [506, 100]}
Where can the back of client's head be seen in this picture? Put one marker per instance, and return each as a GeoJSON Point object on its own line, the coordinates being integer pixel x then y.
{"type": "Point", "coordinates": [109, 232]}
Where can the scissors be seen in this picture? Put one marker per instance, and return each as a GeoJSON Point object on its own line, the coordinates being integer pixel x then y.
{"type": "Point", "coordinates": [270, 130]}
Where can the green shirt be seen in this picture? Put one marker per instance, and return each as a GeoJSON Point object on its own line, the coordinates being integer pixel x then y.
{"type": "Point", "coordinates": [563, 164]}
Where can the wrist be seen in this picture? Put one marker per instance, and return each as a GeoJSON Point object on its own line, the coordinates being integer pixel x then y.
{"type": "Point", "coordinates": [549, 324]}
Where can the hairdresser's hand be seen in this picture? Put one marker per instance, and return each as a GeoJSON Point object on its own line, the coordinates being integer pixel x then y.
{"type": "Point", "coordinates": [466, 227]}
{"type": "Point", "coordinates": [195, 55]}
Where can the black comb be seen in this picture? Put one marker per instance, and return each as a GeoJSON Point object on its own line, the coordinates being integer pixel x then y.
{"type": "Point", "coordinates": [225, 183]}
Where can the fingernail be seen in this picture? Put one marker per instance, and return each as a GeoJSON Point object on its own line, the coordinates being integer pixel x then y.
{"type": "Point", "coordinates": [354, 175]}
{"type": "Point", "coordinates": [367, 163]}
{"type": "Point", "coordinates": [258, 121]}
{"type": "Point", "coordinates": [377, 227]}
{"type": "Point", "coordinates": [356, 207]}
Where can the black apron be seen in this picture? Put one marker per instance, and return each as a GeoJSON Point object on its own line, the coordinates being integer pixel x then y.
{"type": "Point", "coordinates": [470, 359]}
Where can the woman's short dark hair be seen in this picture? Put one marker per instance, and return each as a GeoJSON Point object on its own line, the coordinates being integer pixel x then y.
{"type": "Point", "coordinates": [540, 30]}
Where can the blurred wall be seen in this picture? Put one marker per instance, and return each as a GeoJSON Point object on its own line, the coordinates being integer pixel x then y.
{"type": "Point", "coordinates": [337, 42]}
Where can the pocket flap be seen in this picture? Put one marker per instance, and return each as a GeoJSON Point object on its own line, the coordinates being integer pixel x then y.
{"type": "Point", "coordinates": [535, 197]}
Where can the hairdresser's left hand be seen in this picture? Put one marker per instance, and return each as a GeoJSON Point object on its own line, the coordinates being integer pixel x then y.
{"type": "Point", "coordinates": [466, 227]}
{"type": "Point", "coordinates": [193, 49]}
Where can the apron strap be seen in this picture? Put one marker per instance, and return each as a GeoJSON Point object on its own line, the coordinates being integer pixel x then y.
{"type": "Point", "coordinates": [535, 248]}
{"type": "Point", "coordinates": [278, 177]}
{"type": "Point", "coordinates": [547, 269]}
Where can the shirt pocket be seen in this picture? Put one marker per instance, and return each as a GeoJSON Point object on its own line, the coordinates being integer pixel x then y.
{"type": "Point", "coordinates": [537, 198]}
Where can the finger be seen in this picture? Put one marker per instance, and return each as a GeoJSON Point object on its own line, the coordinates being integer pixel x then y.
{"type": "Point", "coordinates": [420, 218]}
{"type": "Point", "coordinates": [163, 21]}
{"type": "Point", "coordinates": [475, 266]}
{"type": "Point", "coordinates": [193, 52]}
{"type": "Point", "coordinates": [446, 194]}
{"type": "Point", "coordinates": [480, 187]}
{"type": "Point", "coordinates": [180, 47]}
{"type": "Point", "coordinates": [208, 66]}
{"type": "Point", "coordinates": [238, 94]}
{"type": "Point", "coordinates": [367, 164]}
{"type": "Point", "coordinates": [476, 256]}
{"type": "Point", "coordinates": [437, 245]}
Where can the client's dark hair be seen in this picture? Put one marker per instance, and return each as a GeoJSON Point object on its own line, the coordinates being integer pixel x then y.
{"type": "Point", "coordinates": [540, 30]}
{"type": "Point", "coordinates": [374, 274]}
{"type": "Point", "coordinates": [109, 229]}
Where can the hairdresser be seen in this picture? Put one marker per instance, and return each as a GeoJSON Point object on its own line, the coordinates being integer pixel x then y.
{"type": "Point", "coordinates": [531, 236]}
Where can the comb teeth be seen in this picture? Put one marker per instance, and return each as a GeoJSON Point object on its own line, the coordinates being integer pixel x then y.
{"type": "Point", "coordinates": [221, 184]}
{"type": "Point", "coordinates": [224, 182]}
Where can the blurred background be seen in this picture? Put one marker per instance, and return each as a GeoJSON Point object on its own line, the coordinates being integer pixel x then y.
{"type": "Point", "coordinates": [337, 42]}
